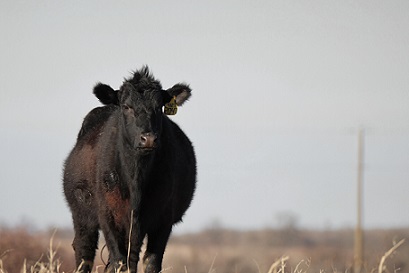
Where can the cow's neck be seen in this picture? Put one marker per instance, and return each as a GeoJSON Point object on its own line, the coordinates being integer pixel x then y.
{"type": "Point", "coordinates": [137, 164]}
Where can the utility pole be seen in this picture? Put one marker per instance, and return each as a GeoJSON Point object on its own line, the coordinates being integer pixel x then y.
{"type": "Point", "coordinates": [359, 242]}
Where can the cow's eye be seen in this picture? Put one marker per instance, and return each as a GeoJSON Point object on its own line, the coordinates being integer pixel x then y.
{"type": "Point", "coordinates": [127, 110]}
{"type": "Point", "coordinates": [126, 107]}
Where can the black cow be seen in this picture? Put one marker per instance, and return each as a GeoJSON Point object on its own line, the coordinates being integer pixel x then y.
{"type": "Point", "coordinates": [132, 173]}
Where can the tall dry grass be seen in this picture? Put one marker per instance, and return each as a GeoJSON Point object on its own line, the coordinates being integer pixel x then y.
{"type": "Point", "coordinates": [224, 251]}
{"type": "Point", "coordinates": [22, 250]}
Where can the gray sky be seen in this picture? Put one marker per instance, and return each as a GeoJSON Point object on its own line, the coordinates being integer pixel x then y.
{"type": "Point", "coordinates": [279, 90]}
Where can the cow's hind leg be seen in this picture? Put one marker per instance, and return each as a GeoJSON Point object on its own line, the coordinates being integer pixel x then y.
{"type": "Point", "coordinates": [85, 243]}
{"type": "Point", "coordinates": [152, 260]}
{"type": "Point", "coordinates": [86, 229]}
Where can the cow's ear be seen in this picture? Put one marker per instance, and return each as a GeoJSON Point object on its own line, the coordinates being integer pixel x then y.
{"type": "Point", "coordinates": [106, 94]}
{"type": "Point", "coordinates": [181, 92]}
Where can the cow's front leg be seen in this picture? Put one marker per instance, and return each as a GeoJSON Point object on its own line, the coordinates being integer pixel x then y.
{"type": "Point", "coordinates": [157, 240]}
{"type": "Point", "coordinates": [114, 221]}
{"type": "Point", "coordinates": [115, 239]}
{"type": "Point", "coordinates": [136, 235]}
{"type": "Point", "coordinates": [115, 268]}
{"type": "Point", "coordinates": [115, 242]}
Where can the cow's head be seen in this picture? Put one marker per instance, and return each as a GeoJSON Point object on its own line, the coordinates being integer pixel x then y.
{"type": "Point", "coordinates": [141, 100]}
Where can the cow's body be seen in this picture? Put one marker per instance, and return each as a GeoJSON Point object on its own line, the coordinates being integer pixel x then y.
{"type": "Point", "coordinates": [132, 173]}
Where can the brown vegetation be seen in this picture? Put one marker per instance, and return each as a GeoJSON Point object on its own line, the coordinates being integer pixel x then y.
{"type": "Point", "coordinates": [227, 251]}
{"type": "Point", "coordinates": [20, 248]}
{"type": "Point", "coordinates": [255, 251]}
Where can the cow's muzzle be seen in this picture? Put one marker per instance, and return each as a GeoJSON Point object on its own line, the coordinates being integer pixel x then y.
{"type": "Point", "coordinates": [147, 141]}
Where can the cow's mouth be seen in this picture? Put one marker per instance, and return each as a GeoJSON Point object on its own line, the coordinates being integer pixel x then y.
{"type": "Point", "coordinates": [146, 149]}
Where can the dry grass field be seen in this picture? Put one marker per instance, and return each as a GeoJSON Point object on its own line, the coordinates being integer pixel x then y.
{"type": "Point", "coordinates": [222, 251]}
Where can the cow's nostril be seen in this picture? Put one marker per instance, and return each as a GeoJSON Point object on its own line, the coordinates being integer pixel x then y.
{"type": "Point", "coordinates": [143, 139]}
{"type": "Point", "coordinates": [147, 140]}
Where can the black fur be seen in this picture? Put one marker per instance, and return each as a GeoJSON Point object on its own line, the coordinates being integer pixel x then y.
{"type": "Point", "coordinates": [113, 181]}
{"type": "Point", "coordinates": [181, 92]}
{"type": "Point", "coordinates": [106, 94]}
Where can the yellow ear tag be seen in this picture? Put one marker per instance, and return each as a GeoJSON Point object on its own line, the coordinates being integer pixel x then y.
{"type": "Point", "coordinates": [171, 107]}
